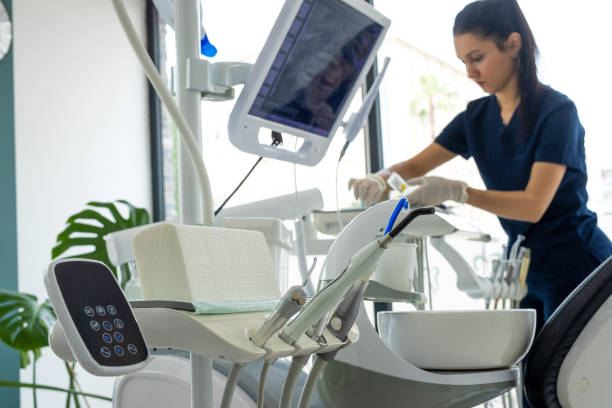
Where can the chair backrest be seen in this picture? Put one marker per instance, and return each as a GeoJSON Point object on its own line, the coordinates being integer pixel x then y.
{"type": "Point", "coordinates": [559, 335]}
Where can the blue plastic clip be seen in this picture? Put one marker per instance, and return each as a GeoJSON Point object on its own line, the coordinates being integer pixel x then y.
{"type": "Point", "coordinates": [403, 203]}
{"type": "Point", "coordinates": [207, 48]}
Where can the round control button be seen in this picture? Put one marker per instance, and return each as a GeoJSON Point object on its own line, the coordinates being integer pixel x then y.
{"type": "Point", "coordinates": [89, 311]}
{"type": "Point", "coordinates": [119, 351]}
{"type": "Point", "coordinates": [118, 323]}
{"type": "Point", "coordinates": [107, 325]}
{"type": "Point", "coordinates": [111, 309]}
{"type": "Point", "coordinates": [132, 349]}
{"type": "Point", "coordinates": [94, 325]}
{"type": "Point", "coordinates": [118, 336]}
{"type": "Point", "coordinates": [336, 323]}
{"type": "Point", "coordinates": [107, 338]}
{"type": "Point", "coordinates": [105, 352]}
{"type": "Point", "coordinates": [100, 310]}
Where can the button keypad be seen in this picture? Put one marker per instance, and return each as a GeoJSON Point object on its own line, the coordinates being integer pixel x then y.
{"type": "Point", "coordinates": [117, 336]}
{"type": "Point", "coordinates": [109, 337]}
{"type": "Point", "coordinates": [101, 315]}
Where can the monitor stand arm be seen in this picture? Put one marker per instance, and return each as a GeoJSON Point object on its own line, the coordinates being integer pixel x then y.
{"type": "Point", "coordinates": [216, 80]}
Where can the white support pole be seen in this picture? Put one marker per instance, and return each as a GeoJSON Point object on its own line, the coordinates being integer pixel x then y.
{"type": "Point", "coordinates": [201, 382]}
{"type": "Point", "coordinates": [186, 23]}
{"type": "Point", "coordinates": [186, 19]}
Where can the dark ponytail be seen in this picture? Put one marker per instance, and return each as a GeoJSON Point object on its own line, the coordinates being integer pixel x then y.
{"type": "Point", "coordinates": [496, 20]}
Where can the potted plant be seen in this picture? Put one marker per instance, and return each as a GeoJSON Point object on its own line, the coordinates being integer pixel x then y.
{"type": "Point", "coordinates": [25, 322]}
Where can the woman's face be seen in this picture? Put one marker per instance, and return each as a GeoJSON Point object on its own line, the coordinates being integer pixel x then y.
{"type": "Point", "coordinates": [491, 68]}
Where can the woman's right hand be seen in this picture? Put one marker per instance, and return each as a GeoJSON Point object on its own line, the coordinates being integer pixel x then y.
{"type": "Point", "coordinates": [370, 189]}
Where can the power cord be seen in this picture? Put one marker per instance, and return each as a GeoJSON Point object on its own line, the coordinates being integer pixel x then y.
{"type": "Point", "coordinates": [277, 139]}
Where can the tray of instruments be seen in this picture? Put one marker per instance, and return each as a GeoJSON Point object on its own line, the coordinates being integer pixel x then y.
{"type": "Point", "coordinates": [378, 292]}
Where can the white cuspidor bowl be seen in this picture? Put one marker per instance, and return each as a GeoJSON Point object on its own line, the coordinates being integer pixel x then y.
{"type": "Point", "coordinates": [459, 340]}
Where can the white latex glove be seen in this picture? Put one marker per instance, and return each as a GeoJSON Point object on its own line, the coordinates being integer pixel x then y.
{"type": "Point", "coordinates": [370, 189]}
{"type": "Point", "coordinates": [436, 190]}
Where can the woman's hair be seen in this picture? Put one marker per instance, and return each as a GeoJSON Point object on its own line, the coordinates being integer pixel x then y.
{"type": "Point", "coordinates": [496, 20]}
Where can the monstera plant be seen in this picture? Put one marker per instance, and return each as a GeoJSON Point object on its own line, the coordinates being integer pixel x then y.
{"type": "Point", "coordinates": [25, 323]}
{"type": "Point", "coordinates": [81, 231]}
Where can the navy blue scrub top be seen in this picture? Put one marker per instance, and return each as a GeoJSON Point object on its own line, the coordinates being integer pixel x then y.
{"type": "Point", "coordinates": [567, 238]}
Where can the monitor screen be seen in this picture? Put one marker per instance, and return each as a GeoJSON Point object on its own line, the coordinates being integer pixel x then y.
{"type": "Point", "coordinates": [316, 67]}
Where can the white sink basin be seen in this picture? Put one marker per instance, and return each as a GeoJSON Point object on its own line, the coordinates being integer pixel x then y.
{"type": "Point", "coordinates": [459, 340]}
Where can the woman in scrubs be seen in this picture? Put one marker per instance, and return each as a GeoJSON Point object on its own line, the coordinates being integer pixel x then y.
{"type": "Point", "coordinates": [528, 144]}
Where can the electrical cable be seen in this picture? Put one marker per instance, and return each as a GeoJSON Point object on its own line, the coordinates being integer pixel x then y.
{"type": "Point", "coordinates": [300, 252]}
{"type": "Point", "coordinates": [297, 364]}
{"type": "Point", "coordinates": [238, 186]}
{"type": "Point", "coordinates": [185, 130]}
{"type": "Point", "coordinates": [230, 385]}
{"type": "Point", "coordinates": [276, 140]}
{"type": "Point", "coordinates": [309, 387]}
{"type": "Point", "coordinates": [262, 383]}
{"type": "Point", "coordinates": [300, 238]}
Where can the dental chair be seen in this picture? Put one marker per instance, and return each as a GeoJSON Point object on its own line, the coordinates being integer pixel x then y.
{"type": "Point", "coordinates": [570, 359]}
{"type": "Point", "coordinates": [369, 372]}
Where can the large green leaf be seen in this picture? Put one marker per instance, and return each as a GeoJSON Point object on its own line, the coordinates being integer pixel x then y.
{"type": "Point", "coordinates": [24, 357]}
{"type": "Point", "coordinates": [24, 323]}
{"type": "Point", "coordinates": [88, 228]}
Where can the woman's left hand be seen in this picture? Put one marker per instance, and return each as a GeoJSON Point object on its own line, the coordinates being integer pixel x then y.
{"type": "Point", "coordinates": [436, 190]}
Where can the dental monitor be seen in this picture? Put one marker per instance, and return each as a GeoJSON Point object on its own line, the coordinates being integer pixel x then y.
{"type": "Point", "coordinates": [313, 62]}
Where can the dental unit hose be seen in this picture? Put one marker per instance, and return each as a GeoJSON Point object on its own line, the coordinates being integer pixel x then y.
{"type": "Point", "coordinates": [185, 130]}
{"type": "Point", "coordinates": [297, 365]}
{"type": "Point", "coordinates": [361, 266]}
{"type": "Point", "coordinates": [262, 382]}
{"type": "Point", "coordinates": [317, 366]}
{"type": "Point", "coordinates": [230, 385]}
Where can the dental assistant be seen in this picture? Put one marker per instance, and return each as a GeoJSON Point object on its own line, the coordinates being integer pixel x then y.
{"type": "Point", "coordinates": [528, 143]}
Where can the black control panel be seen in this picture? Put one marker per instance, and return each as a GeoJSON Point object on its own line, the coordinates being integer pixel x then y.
{"type": "Point", "coordinates": [101, 313]}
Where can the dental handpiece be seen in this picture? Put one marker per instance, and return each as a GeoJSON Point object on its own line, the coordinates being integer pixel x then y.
{"type": "Point", "coordinates": [345, 315]}
{"type": "Point", "coordinates": [515, 247]}
{"type": "Point", "coordinates": [361, 267]}
{"type": "Point", "coordinates": [292, 302]}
